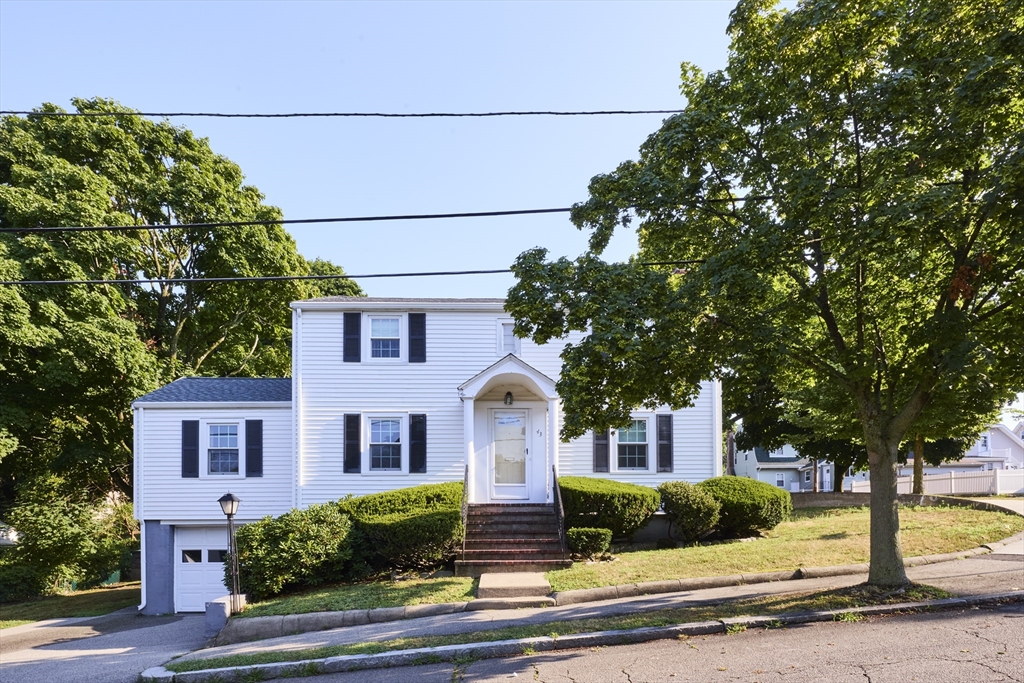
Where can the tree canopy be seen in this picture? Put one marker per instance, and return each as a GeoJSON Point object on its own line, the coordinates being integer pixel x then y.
{"type": "Point", "coordinates": [842, 209]}
{"type": "Point", "coordinates": [73, 357]}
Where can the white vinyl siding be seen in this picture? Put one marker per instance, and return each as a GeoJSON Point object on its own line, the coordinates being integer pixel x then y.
{"type": "Point", "coordinates": [460, 345]}
{"type": "Point", "coordinates": [165, 495]}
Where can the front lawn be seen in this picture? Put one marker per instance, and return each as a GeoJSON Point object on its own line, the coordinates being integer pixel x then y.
{"type": "Point", "coordinates": [814, 537]}
{"type": "Point", "coordinates": [88, 603]}
{"type": "Point", "coordinates": [367, 596]}
{"type": "Point", "coordinates": [811, 538]}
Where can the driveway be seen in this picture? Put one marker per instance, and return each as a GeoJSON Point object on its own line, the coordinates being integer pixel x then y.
{"type": "Point", "coordinates": [114, 648]}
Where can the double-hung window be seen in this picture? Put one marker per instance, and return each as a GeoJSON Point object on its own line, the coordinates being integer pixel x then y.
{"type": "Point", "coordinates": [222, 449]}
{"type": "Point", "coordinates": [385, 337]}
{"type": "Point", "coordinates": [508, 342]}
{"type": "Point", "coordinates": [385, 444]}
{"type": "Point", "coordinates": [633, 446]}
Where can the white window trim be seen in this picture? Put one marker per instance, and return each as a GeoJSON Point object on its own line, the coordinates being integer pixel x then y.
{"type": "Point", "coordinates": [780, 476]}
{"type": "Point", "coordinates": [652, 446]}
{"type": "Point", "coordinates": [365, 451]}
{"type": "Point", "coordinates": [403, 337]}
{"type": "Point", "coordinates": [500, 342]}
{"type": "Point", "coordinates": [204, 447]}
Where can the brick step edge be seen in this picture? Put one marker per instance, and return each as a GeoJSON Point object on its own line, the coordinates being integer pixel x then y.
{"type": "Point", "coordinates": [521, 646]}
{"type": "Point", "coordinates": [242, 629]}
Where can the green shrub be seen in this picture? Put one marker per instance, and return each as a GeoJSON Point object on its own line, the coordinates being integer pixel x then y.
{"type": "Point", "coordinates": [424, 497]}
{"type": "Point", "coordinates": [591, 502]}
{"type": "Point", "coordinates": [20, 581]}
{"type": "Point", "coordinates": [299, 548]}
{"type": "Point", "coordinates": [589, 542]}
{"type": "Point", "coordinates": [694, 512]}
{"type": "Point", "coordinates": [419, 539]}
{"type": "Point", "coordinates": [411, 528]}
{"type": "Point", "coordinates": [748, 505]}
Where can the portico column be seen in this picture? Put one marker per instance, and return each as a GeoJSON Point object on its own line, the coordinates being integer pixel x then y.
{"type": "Point", "coordinates": [552, 438]}
{"type": "Point", "coordinates": [468, 426]}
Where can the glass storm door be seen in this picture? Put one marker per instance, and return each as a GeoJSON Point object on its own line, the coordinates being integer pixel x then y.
{"type": "Point", "coordinates": [508, 474]}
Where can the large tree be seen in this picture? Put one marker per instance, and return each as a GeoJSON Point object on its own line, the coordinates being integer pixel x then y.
{"type": "Point", "coordinates": [846, 197]}
{"type": "Point", "coordinates": [72, 358]}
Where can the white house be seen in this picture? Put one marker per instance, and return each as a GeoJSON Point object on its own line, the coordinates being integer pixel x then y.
{"type": "Point", "coordinates": [783, 468]}
{"type": "Point", "coordinates": [385, 393]}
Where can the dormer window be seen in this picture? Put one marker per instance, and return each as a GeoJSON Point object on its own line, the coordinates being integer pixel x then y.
{"type": "Point", "coordinates": [385, 338]}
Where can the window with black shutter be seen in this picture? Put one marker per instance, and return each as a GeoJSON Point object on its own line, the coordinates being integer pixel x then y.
{"type": "Point", "coordinates": [601, 440]}
{"type": "Point", "coordinates": [190, 449]}
{"type": "Point", "coordinates": [353, 454]}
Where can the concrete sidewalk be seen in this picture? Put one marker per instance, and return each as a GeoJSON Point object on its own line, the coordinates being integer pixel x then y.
{"type": "Point", "coordinates": [983, 574]}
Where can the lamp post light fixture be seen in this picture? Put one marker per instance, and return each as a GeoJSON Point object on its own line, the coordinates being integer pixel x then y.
{"type": "Point", "coordinates": [508, 398]}
{"type": "Point", "coordinates": [229, 506]}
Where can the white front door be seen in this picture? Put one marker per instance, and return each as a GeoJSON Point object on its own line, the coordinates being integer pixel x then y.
{"type": "Point", "coordinates": [510, 455]}
{"type": "Point", "coordinates": [198, 566]}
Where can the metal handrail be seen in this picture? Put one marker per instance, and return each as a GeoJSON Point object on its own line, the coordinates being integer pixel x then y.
{"type": "Point", "coordinates": [465, 508]}
{"type": "Point", "coordinates": [559, 510]}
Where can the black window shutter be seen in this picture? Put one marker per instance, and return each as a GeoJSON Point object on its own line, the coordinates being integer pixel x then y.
{"type": "Point", "coordinates": [601, 451]}
{"type": "Point", "coordinates": [190, 448]}
{"type": "Point", "coordinates": [418, 444]}
{"type": "Point", "coordinates": [665, 443]}
{"type": "Point", "coordinates": [254, 448]}
{"type": "Point", "coordinates": [353, 456]}
{"type": "Point", "coordinates": [417, 337]}
{"type": "Point", "coordinates": [352, 344]}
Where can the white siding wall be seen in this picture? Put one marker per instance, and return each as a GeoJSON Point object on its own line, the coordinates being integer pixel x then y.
{"type": "Point", "coordinates": [165, 495]}
{"type": "Point", "coordinates": [460, 344]}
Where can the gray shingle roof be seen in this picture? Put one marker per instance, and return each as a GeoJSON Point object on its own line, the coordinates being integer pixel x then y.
{"type": "Point", "coordinates": [221, 389]}
{"type": "Point", "coordinates": [762, 456]}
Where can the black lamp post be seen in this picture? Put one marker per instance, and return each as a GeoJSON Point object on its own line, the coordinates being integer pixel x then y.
{"type": "Point", "coordinates": [229, 505]}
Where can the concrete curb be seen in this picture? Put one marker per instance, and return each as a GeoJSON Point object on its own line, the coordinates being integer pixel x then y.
{"type": "Point", "coordinates": [529, 646]}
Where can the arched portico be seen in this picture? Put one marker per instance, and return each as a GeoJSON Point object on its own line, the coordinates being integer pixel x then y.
{"type": "Point", "coordinates": [510, 428]}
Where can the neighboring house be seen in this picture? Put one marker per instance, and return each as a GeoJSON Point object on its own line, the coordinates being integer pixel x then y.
{"type": "Point", "coordinates": [783, 468]}
{"type": "Point", "coordinates": [385, 393]}
{"type": "Point", "coordinates": [997, 448]}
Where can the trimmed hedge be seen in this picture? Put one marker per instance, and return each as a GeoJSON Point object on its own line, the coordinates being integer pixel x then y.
{"type": "Point", "coordinates": [601, 503]}
{"type": "Point", "coordinates": [299, 548]}
{"type": "Point", "coordinates": [413, 528]}
{"type": "Point", "coordinates": [589, 542]}
{"type": "Point", "coordinates": [423, 497]}
{"type": "Point", "coordinates": [748, 505]}
{"type": "Point", "coordinates": [420, 539]}
{"type": "Point", "coordinates": [694, 512]}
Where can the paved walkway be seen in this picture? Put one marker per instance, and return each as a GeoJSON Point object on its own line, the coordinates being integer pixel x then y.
{"type": "Point", "coordinates": [975, 576]}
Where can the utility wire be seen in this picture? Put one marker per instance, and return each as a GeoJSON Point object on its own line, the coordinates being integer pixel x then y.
{"type": "Point", "coordinates": [345, 219]}
{"type": "Point", "coordinates": [292, 221]}
{"type": "Point", "coordinates": [278, 278]}
{"type": "Point", "coordinates": [343, 114]}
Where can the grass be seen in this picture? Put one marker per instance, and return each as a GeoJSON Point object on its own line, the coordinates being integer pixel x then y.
{"type": "Point", "coordinates": [367, 596]}
{"type": "Point", "coordinates": [88, 603]}
{"type": "Point", "coordinates": [813, 537]}
{"type": "Point", "coordinates": [854, 596]}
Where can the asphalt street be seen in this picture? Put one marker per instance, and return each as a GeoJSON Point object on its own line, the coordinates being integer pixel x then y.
{"type": "Point", "coordinates": [974, 645]}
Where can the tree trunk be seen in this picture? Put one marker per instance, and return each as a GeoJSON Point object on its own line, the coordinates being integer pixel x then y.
{"type": "Point", "coordinates": [814, 476]}
{"type": "Point", "coordinates": [886, 553]}
{"type": "Point", "coordinates": [919, 464]}
{"type": "Point", "coordinates": [837, 478]}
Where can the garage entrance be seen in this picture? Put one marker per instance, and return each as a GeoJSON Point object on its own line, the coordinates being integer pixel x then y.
{"type": "Point", "coordinates": [199, 554]}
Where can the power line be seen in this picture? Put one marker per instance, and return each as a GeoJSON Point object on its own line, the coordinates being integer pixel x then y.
{"type": "Point", "coordinates": [292, 221]}
{"type": "Point", "coordinates": [343, 219]}
{"type": "Point", "coordinates": [343, 114]}
{"type": "Point", "coordinates": [280, 278]}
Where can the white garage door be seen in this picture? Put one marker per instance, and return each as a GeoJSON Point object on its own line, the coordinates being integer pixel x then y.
{"type": "Point", "coordinates": [199, 566]}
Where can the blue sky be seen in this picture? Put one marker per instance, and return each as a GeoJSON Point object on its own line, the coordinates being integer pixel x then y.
{"type": "Point", "coordinates": [391, 57]}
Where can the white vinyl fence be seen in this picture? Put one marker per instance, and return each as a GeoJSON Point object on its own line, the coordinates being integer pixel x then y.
{"type": "Point", "coordinates": [992, 482]}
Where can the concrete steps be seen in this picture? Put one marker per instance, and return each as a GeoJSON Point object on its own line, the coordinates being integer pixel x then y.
{"type": "Point", "coordinates": [511, 538]}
